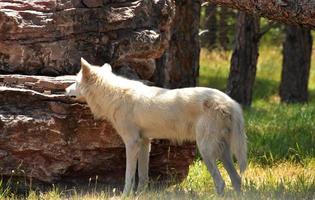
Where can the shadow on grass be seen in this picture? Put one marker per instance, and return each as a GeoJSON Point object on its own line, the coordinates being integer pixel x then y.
{"type": "Point", "coordinates": [216, 81]}
{"type": "Point", "coordinates": [265, 88]}
{"type": "Point", "coordinates": [280, 132]}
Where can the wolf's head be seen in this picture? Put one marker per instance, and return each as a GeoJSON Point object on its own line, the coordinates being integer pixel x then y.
{"type": "Point", "coordinates": [85, 76]}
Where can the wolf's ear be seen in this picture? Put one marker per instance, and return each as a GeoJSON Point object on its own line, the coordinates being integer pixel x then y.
{"type": "Point", "coordinates": [85, 67]}
{"type": "Point", "coordinates": [107, 67]}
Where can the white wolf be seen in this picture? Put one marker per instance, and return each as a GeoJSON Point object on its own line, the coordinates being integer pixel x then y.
{"type": "Point", "coordinates": [139, 113]}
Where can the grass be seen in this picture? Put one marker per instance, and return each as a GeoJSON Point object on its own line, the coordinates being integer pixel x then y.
{"type": "Point", "coordinates": [284, 180]}
{"type": "Point", "coordinates": [281, 143]}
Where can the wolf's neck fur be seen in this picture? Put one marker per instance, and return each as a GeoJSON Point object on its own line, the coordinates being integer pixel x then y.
{"type": "Point", "coordinates": [107, 93]}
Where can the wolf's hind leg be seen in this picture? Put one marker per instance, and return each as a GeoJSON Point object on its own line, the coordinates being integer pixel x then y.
{"type": "Point", "coordinates": [208, 142]}
{"type": "Point", "coordinates": [227, 161]}
{"type": "Point", "coordinates": [143, 164]}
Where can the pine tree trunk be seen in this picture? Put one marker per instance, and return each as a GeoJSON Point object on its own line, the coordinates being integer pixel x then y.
{"type": "Point", "coordinates": [179, 65]}
{"type": "Point", "coordinates": [223, 28]}
{"type": "Point", "coordinates": [210, 37]}
{"type": "Point", "coordinates": [244, 59]}
{"type": "Point", "coordinates": [297, 51]}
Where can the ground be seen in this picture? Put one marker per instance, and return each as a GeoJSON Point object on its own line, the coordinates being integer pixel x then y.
{"type": "Point", "coordinates": [281, 142]}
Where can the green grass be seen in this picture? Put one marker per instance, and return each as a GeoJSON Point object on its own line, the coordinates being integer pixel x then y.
{"type": "Point", "coordinates": [280, 133]}
{"type": "Point", "coordinates": [280, 181]}
{"type": "Point", "coordinates": [281, 143]}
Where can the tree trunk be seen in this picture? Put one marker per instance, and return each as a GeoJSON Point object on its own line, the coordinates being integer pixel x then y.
{"type": "Point", "coordinates": [287, 11]}
{"type": "Point", "coordinates": [210, 37]}
{"type": "Point", "coordinates": [223, 30]}
{"type": "Point", "coordinates": [244, 59]}
{"type": "Point", "coordinates": [180, 63]}
{"type": "Point", "coordinates": [297, 52]}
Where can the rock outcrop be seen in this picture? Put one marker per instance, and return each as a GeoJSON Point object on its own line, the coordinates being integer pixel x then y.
{"type": "Point", "coordinates": [48, 37]}
{"type": "Point", "coordinates": [49, 137]}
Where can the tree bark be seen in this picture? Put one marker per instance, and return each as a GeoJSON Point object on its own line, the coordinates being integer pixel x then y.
{"type": "Point", "coordinates": [244, 59]}
{"type": "Point", "coordinates": [287, 11]}
{"type": "Point", "coordinates": [297, 52]}
{"type": "Point", "coordinates": [223, 30]}
{"type": "Point", "coordinates": [211, 25]}
{"type": "Point", "coordinates": [180, 62]}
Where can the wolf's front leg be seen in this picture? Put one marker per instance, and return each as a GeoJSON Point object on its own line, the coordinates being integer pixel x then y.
{"type": "Point", "coordinates": [143, 164]}
{"type": "Point", "coordinates": [132, 150]}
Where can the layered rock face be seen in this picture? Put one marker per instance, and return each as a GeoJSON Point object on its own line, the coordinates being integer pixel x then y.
{"type": "Point", "coordinates": [49, 137]}
{"type": "Point", "coordinates": [48, 37]}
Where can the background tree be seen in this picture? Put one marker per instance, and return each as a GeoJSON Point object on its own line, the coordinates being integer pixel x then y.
{"type": "Point", "coordinates": [224, 28]}
{"type": "Point", "coordinates": [218, 27]}
{"type": "Point", "coordinates": [210, 26]}
{"type": "Point", "coordinates": [297, 52]}
{"type": "Point", "coordinates": [244, 59]}
{"type": "Point", "coordinates": [179, 65]}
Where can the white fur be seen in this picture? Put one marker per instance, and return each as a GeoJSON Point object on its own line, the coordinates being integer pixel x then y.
{"type": "Point", "coordinates": [140, 113]}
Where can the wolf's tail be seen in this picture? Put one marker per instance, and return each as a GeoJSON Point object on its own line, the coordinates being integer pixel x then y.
{"type": "Point", "coordinates": [238, 139]}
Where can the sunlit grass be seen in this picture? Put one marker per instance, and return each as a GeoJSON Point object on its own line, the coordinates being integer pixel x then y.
{"type": "Point", "coordinates": [283, 180]}
{"type": "Point", "coordinates": [280, 181]}
{"type": "Point", "coordinates": [214, 67]}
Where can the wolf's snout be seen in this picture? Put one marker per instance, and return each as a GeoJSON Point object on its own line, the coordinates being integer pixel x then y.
{"type": "Point", "coordinates": [71, 91]}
